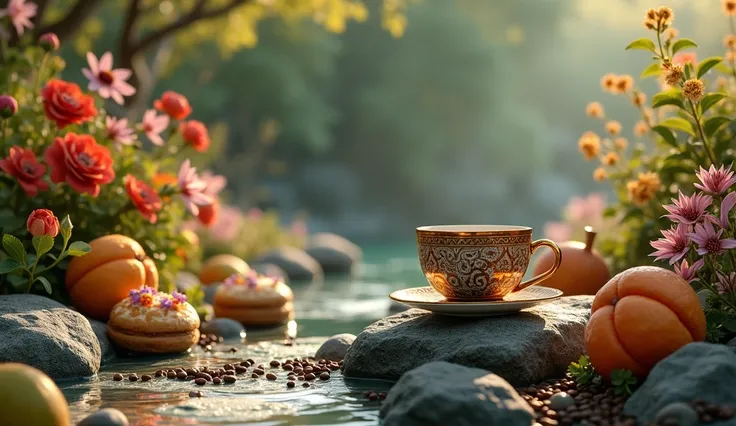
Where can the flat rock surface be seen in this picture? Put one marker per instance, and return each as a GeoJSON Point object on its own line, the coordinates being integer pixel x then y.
{"type": "Point", "coordinates": [106, 348]}
{"type": "Point", "coordinates": [296, 263]}
{"type": "Point", "coordinates": [524, 348]}
{"type": "Point", "coordinates": [45, 334]}
{"type": "Point", "coordinates": [697, 371]}
{"type": "Point", "coordinates": [440, 393]}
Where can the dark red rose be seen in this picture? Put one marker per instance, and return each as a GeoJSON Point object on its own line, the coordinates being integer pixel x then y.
{"type": "Point", "coordinates": [81, 162]}
{"type": "Point", "coordinates": [23, 165]}
{"type": "Point", "coordinates": [65, 103]}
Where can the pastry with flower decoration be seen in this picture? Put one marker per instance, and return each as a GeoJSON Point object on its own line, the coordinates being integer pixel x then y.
{"type": "Point", "coordinates": [152, 321]}
{"type": "Point", "coordinates": [254, 299]}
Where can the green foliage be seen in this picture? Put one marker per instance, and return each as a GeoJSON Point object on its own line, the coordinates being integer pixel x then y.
{"type": "Point", "coordinates": [680, 44]}
{"type": "Point", "coordinates": [622, 381]}
{"type": "Point", "coordinates": [642, 44]}
{"type": "Point", "coordinates": [583, 372]}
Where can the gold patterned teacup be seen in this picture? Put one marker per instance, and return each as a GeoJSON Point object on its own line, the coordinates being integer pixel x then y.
{"type": "Point", "coordinates": [479, 262]}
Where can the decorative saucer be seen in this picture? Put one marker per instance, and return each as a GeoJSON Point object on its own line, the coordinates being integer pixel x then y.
{"type": "Point", "coordinates": [429, 299]}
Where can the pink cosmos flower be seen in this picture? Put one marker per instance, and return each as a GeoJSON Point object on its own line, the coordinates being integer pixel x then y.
{"type": "Point", "coordinates": [727, 205]}
{"type": "Point", "coordinates": [153, 125]}
{"type": "Point", "coordinates": [118, 131]}
{"type": "Point", "coordinates": [674, 245]}
{"type": "Point", "coordinates": [715, 181]}
{"type": "Point", "coordinates": [20, 14]}
{"type": "Point", "coordinates": [107, 82]}
{"type": "Point", "coordinates": [192, 188]}
{"type": "Point", "coordinates": [688, 209]}
{"type": "Point", "coordinates": [557, 231]}
{"type": "Point", "coordinates": [215, 183]}
{"type": "Point", "coordinates": [726, 283]}
{"type": "Point", "coordinates": [708, 240]}
{"type": "Point", "coordinates": [687, 272]}
{"type": "Point", "coordinates": [586, 209]}
{"type": "Point", "coordinates": [227, 225]}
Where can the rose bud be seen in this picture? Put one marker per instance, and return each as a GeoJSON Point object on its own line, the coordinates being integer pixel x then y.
{"type": "Point", "coordinates": [8, 106]}
{"type": "Point", "coordinates": [49, 42]}
{"type": "Point", "coordinates": [43, 222]}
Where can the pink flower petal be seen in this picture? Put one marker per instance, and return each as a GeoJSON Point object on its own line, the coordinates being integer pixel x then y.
{"type": "Point", "coordinates": [121, 73]}
{"type": "Point", "coordinates": [93, 64]}
{"type": "Point", "coordinates": [106, 62]}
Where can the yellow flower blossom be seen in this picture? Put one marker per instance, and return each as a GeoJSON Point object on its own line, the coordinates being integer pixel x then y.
{"type": "Point", "coordinates": [641, 128]}
{"type": "Point", "coordinates": [600, 174]}
{"type": "Point", "coordinates": [608, 82]}
{"type": "Point", "coordinates": [639, 99]}
{"type": "Point", "coordinates": [621, 143]}
{"type": "Point", "coordinates": [693, 89]}
{"type": "Point", "coordinates": [644, 188]}
{"type": "Point", "coordinates": [729, 7]}
{"type": "Point", "coordinates": [610, 159]}
{"type": "Point", "coordinates": [594, 109]}
{"type": "Point", "coordinates": [624, 83]}
{"type": "Point", "coordinates": [589, 145]}
{"type": "Point", "coordinates": [613, 127]}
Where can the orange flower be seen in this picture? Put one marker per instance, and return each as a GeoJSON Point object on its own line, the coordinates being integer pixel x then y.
{"type": "Point", "coordinates": [641, 129]}
{"type": "Point", "coordinates": [23, 165]}
{"type": "Point", "coordinates": [624, 83]}
{"type": "Point", "coordinates": [65, 103]}
{"type": "Point", "coordinates": [81, 162]}
{"type": "Point", "coordinates": [613, 127]}
{"type": "Point", "coordinates": [161, 179]}
{"type": "Point", "coordinates": [145, 199]}
{"type": "Point", "coordinates": [208, 214]}
{"type": "Point", "coordinates": [594, 109]}
{"type": "Point", "coordinates": [608, 82]}
{"type": "Point", "coordinates": [610, 159]}
{"type": "Point", "coordinates": [174, 105]}
{"type": "Point", "coordinates": [600, 174]}
{"type": "Point", "coordinates": [644, 188]}
{"type": "Point", "coordinates": [621, 143]}
{"type": "Point", "coordinates": [589, 145]}
{"type": "Point", "coordinates": [639, 99]}
{"type": "Point", "coordinates": [195, 134]}
{"type": "Point", "coordinates": [43, 222]}
{"type": "Point", "coordinates": [729, 7]}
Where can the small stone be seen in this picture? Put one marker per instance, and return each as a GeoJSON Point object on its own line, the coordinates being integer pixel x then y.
{"type": "Point", "coordinates": [105, 417]}
{"type": "Point", "coordinates": [560, 401]}
{"type": "Point", "coordinates": [133, 377]}
{"type": "Point", "coordinates": [324, 376]}
{"type": "Point", "coordinates": [117, 377]}
{"type": "Point", "coordinates": [682, 413]}
{"type": "Point", "coordinates": [146, 377]}
{"type": "Point", "coordinates": [200, 381]}
{"type": "Point", "coordinates": [229, 379]}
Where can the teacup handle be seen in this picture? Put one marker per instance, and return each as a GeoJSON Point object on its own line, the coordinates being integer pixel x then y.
{"type": "Point", "coordinates": [558, 259]}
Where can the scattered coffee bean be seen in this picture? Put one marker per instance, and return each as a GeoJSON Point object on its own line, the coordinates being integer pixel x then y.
{"type": "Point", "coordinates": [196, 394]}
{"type": "Point", "coordinates": [271, 376]}
{"type": "Point", "coordinates": [308, 369]}
{"type": "Point", "coordinates": [205, 376]}
{"type": "Point", "coordinates": [146, 377]}
{"type": "Point", "coordinates": [290, 384]}
{"type": "Point", "coordinates": [275, 363]}
{"type": "Point", "coordinates": [254, 376]}
{"type": "Point", "coordinates": [171, 375]}
{"type": "Point", "coordinates": [250, 361]}
{"type": "Point", "coordinates": [259, 371]}
{"type": "Point", "coordinates": [373, 396]}
{"type": "Point", "coordinates": [117, 377]}
{"type": "Point", "coordinates": [305, 385]}
{"type": "Point", "coordinates": [240, 369]}
{"type": "Point", "coordinates": [181, 375]}
{"type": "Point", "coordinates": [217, 380]}
{"type": "Point", "coordinates": [324, 376]}
{"type": "Point", "coordinates": [298, 369]}
{"type": "Point", "coordinates": [288, 367]}
{"type": "Point", "coordinates": [233, 349]}
{"type": "Point", "coordinates": [200, 381]}
{"type": "Point", "coordinates": [133, 377]}
{"type": "Point", "coordinates": [381, 395]}
{"type": "Point", "coordinates": [310, 376]}
{"type": "Point", "coordinates": [159, 373]}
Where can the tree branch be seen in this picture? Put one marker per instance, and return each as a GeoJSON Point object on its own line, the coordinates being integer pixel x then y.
{"type": "Point", "coordinates": [67, 26]}
{"type": "Point", "coordinates": [198, 13]}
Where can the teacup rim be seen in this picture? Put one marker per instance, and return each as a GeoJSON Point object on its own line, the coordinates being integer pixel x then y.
{"type": "Point", "coordinates": [473, 229]}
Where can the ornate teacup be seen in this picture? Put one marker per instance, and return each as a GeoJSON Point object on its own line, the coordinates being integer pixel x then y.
{"type": "Point", "coordinates": [479, 262]}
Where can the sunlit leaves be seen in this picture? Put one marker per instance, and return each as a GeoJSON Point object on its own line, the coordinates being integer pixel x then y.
{"type": "Point", "coordinates": [709, 100]}
{"type": "Point", "coordinates": [713, 124]}
{"type": "Point", "coordinates": [642, 44]}
{"type": "Point", "coordinates": [678, 123]}
{"type": "Point", "coordinates": [706, 64]}
{"type": "Point", "coordinates": [653, 70]}
{"type": "Point", "coordinates": [682, 43]}
{"type": "Point", "coordinates": [668, 97]}
{"type": "Point", "coordinates": [667, 135]}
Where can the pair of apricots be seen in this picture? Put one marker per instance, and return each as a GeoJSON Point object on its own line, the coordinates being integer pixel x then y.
{"type": "Point", "coordinates": [638, 318]}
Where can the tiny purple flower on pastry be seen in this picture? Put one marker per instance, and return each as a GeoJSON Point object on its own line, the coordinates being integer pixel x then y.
{"type": "Point", "coordinates": [148, 290]}
{"type": "Point", "coordinates": [166, 303]}
{"type": "Point", "coordinates": [135, 297]}
{"type": "Point", "coordinates": [252, 279]}
{"type": "Point", "coordinates": [179, 297]}
{"type": "Point", "coordinates": [234, 279]}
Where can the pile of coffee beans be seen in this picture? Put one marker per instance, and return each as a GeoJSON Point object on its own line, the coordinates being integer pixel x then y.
{"type": "Point", "coordinates": [298, 369]}
{"type": "Point", "coordinates": [563, 402]}
{"type": "Point", "coordinates": [374, 396]}
{"type": "Point", "coordinates": [207, 341]}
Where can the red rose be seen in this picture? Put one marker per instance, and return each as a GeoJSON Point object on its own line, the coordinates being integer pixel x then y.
{"type": "Point", "coordinates": [145, 199]}
{"type": "Point", "coordinates": [208, 214]}
{"type": "Point", "coordinates": [79, 161]}
{"type": "Point", "coordinates": [43, 222]}
{"type": "Point", "coordinates": [65, 103]}
{"type": "Point", "coordinates": [22, 165]}
{"type": "Point", "coordinates": [174, 105]}
{"type": "Point", "coordinates": [195, 134]}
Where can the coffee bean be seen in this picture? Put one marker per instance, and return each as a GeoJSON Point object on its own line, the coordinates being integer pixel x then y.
{"type": "Point", "coordinates": [233, 349]}
{"type": "Point", "coordinates": [290, 384]}
{"type": "Point", "coordinates": [181, 375]}
{"type": "Point", "coordinates": [259, 371]}
{"type": "Point", "coordinates": [204, 376]}
{"type": "Point", "coordinates": [190, 377]}
{"type": "Point", "coordinates": [159, 373]}
{"type": "Point", "coordinates": [196, 394]}
{"type": "Point", "coordinates": [117, 377]}
{"type": "Point", "coordinates": [298, 369]}
{"type": "Point", "coordinates": [133, 377]}
{"type": "Point", "coordinates": [334, 367]}
{"type": "Point", "coordinates": [546, 421]}
{"type": "Point", "coordinates": [275, 363]}
{"type": "Point", "coordinates": [240, 369]}
{"type": "Point", "coordinates": [217, 380]}
{"type": "Point", "coordinates": [373, 396]}
{"type": "Point", "coordinates": [254, 376]}
{"type": "Point", "coordinates": [291, 378]}
{"type": "Point", "coordinates": [229, 379]}
{"type": "Point", "coordinates": [250, 361]}
{"type": "Point", "coordinates": [191, 371]}
{"type": "Point", "coordinates": [324, 376]}
{"type": "Point", "coordinates": [200, 381]}
{"type": "Point", "coordinates": [310, 376]}
{"type": "Point", "coordinates": [288, 367]}
{"type": "Point", "coordinates": [229, 367]}
{"type": "Point", "coordinates": [726, 411]}
{"type": "Point", "coordinates": [171, 375]}
{"type": "Point", "coordinates": [305, 385]}
{"type": "Point", "coordinates": [308, 369]}
{"type": "Point", "coordinates": [146, 377]}
{"type": "Point", "coordinates": [381, 395]}
{"type": "Point", "coordinates": [271, 376]}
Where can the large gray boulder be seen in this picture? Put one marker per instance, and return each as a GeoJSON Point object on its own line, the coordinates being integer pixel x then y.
{"type": "Point", "coordinates": [524, 348]}
{"type": "Point", "coordinates": [699, 370]}
{"type": "Point", "coordinates": [298, 265]}
{"type": "Point", "coordinates": [106, 348]}
{"type": "Point", "coordinates": [440, 393]}
{"type": "Point", "coordinates": [333, 252]}
{"type": "Point", "coordinates": [47, 335]}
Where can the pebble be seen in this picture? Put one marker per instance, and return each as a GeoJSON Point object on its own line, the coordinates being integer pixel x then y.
{"type": "Point", "coordinates": [133, 377]}
{"type": "Point", "coordinates": [117, 377]}
{"type": "Point", "coordinates": [105, 417]}
{"type": "Point", "coordinates": [679, 413]}
{"type": "Point", "coordinates": [271, 376]}
{"type": "Point", "coordinates": [560, 401]}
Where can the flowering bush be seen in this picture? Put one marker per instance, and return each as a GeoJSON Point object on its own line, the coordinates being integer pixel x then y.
{"type": "Point", "coordinates": [683, 141]}
{"type": "Point", "coordinates": [60, 149]}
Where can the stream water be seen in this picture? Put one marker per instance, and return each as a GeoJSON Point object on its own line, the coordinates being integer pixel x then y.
{"type": "Point", "coordinates": [336, 305]}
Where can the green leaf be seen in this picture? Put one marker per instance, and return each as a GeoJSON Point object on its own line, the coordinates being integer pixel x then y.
{"type": "Point", "coordinates": [46, 284]}
{"type": "Point", "coordinates": [709, 100]}
{"type": "Point", "coordinates": [706, 64]}
{"type": "Point", "coordinates": [14, 248]}
{"type": "Point", "coordinates": [713, 124]}
{"type": "Point", "coordinates": [66, 228]}
{"type": "Point", "coordinates": [642, 44]}
{"type": "Point", "coordinates": [9, 265]}
{"type": "Point", "coordinates": [682, 43]}
{"type": "Point", "coordinates": [42, 244]}
{"type": "Point", "coordinates": [679, 123]}
{"type": "Point", "coordinates": [78, 248]}
{"type": "Point", "coordinates": [609, 212]}
{"type": "Point", "coordinates": [667, 135]}
{"type": "Point", "coordinates": [652, 70]}
{"type": "Point", "coordinates": [723, 68]}
{"type": "Point", "coordinates": [668, 97]}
